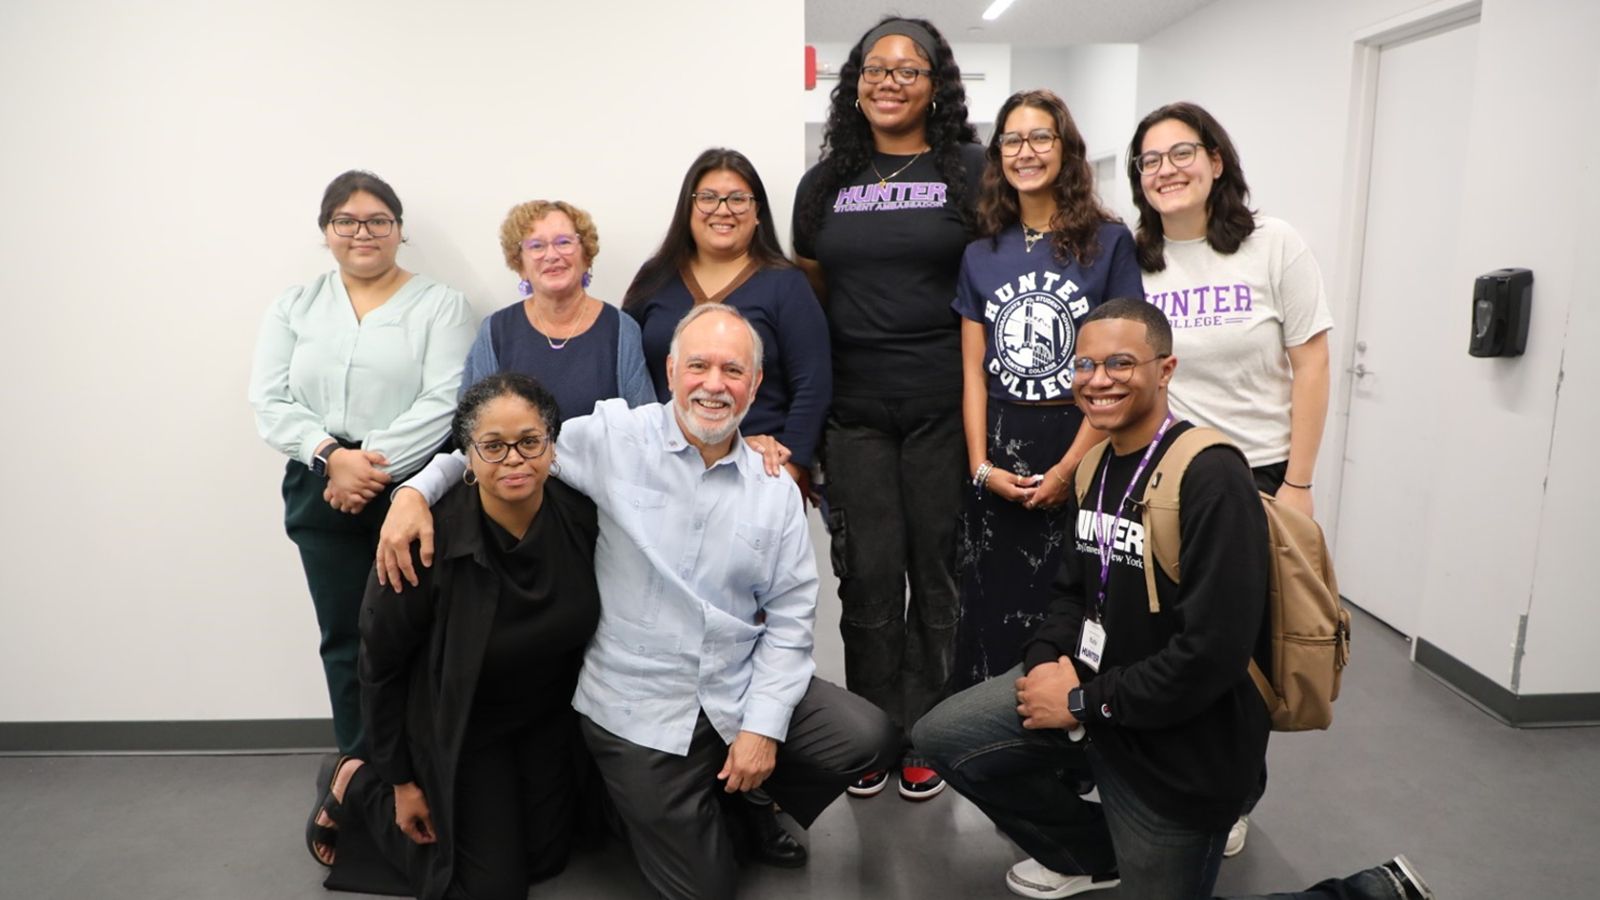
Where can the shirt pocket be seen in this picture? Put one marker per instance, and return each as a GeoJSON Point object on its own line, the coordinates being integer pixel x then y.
{"type": "Point", "coordinates": [754, 547]}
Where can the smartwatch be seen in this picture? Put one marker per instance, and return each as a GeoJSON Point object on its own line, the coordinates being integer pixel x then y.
{"type": "Point", "coordinates": [319, 462]}
{"type": "Point", "coordinates": [1075, 704]}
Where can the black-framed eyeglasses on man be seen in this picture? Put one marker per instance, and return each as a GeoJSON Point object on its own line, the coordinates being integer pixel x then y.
{"type": "Point", "coordinates": [906, 75]}
{"type": "Point", "coordinates": [529, 448]}
{"type": "Point", "coordinates": [1119, 366]}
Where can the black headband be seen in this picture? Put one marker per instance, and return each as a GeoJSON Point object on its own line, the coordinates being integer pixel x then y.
{"type": "Point", "coordinates": [920, 36]}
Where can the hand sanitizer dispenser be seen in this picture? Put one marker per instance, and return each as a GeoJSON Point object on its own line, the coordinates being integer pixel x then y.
{"type": "Point", "coordinates": [1501, 301]}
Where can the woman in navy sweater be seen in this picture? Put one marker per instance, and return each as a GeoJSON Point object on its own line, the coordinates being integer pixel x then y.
{"type": "Point", "coordinates": [722, 248]}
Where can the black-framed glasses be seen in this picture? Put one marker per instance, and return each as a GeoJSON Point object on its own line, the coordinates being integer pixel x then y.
{"type": "Point", "coordinates": [1119, 366]}
{"type": "Point", "coordinates": [564, 244]}
{"type": "Point", "coordinates": [529, 448]}
{"type": "Point", "coordinates": [1181, 154]}
{"type": "Point", "coordinates": [350, 226]}
{"type": "Point", "coordinates": [708, 202]}
{"type": "Point", "coordinates": [1040, 139]}
{"type": "Point", "coordinates": [906, 75]}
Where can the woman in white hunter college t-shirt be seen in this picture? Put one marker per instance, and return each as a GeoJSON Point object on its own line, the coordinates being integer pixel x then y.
{"type": "Point", "coordinates": [1249, 318]}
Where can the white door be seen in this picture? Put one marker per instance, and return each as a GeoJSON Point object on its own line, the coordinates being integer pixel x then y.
{"type": "Point", "coordinates": [1410, 316]}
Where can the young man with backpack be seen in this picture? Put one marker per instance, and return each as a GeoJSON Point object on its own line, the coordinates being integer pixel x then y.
{"type": "Point", "coordinates": [1150, 697]}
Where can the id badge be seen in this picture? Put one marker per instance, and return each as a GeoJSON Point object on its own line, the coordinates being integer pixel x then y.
{"type": "Point", "coordinates": [1091, 643]}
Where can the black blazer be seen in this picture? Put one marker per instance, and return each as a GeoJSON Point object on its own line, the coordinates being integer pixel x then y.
{"type": "Point", "coordinates": [422, 648]}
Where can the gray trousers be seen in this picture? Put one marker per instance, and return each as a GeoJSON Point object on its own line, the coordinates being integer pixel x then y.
{"type": "Point", "coordinates": [673, 806]}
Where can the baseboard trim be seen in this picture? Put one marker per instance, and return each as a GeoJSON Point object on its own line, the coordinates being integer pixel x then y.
{"type": "Point", "coordinates": [1519, 711]}
{"type": "Point", "coordinates": [205, 736]}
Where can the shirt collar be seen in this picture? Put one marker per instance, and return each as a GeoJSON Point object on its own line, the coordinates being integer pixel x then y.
{"type": "Point", "coordinates": [674, 441]}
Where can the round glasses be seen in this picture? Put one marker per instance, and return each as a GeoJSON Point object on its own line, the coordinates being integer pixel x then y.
{"type": "Point", "coordinates": [1039, 139]}
{"type": "Point", "coordinates": [564, 244]}
{"type": "Point", "coordinates": [1119, 366]}
{"type": "Point", "coordinates": [1181, 154]}
{"type": "Point", "coordinates": [350, 226]}
{"type": "Point", "coordinates": [902, 74]}
{"type": "Point", "coordinates": [708, 202]}
{"type": "Point", "coordinates": [530, 448]}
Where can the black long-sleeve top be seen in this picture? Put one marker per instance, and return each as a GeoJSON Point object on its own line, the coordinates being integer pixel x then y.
{"type": "Point", "coordinates": [504, 611]}
{"type": "Point", "coordinates": [1173, 708]}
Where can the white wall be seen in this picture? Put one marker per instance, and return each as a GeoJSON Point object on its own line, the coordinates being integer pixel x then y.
{"type": "Point", "coordinates": [1502, 538]}
{"type": "Point", "coordinates": [162, 167]}
{"type": "Point", "coordinates": [1099, 83]}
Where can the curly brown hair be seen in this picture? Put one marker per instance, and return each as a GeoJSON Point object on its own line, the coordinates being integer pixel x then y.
{"type": "Point", "coordinates": [1075, 227]}
{"type": "Point", "coordinates": [522, 217]}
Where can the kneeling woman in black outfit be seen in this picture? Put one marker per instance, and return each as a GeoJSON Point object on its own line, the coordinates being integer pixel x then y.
{"type": "Point", "coordinates": [467, 678]}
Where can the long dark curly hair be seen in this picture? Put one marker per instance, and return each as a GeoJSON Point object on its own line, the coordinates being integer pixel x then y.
{"type": "Point", "coordinates": [678, 247]}
{"type": "Point", "coordinates": [1229, 218]}
{"type": "Point", "coordinates": [847, 138]}
{"type": "Point", "coordinates": [1075, 227]}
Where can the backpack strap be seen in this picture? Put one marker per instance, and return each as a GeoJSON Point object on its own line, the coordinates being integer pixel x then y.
{"type": "Point", "coordinates": [1086, 466]}
{"type": "Point", "coordinates": [1160, 505]}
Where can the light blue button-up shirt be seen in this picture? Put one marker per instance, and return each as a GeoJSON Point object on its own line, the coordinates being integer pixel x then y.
{"type": "Point", "coordinates": [708, 586]}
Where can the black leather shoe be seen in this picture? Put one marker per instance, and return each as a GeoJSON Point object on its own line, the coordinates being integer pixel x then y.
{"type": "Point", "coordinates": [767, 840]}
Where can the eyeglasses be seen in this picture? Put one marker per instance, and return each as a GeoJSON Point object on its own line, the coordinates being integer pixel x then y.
{"type": "Point", "coordinates": [530, 448]}
{"type": "Point", "coordinates": [902, 74]}
{"type": "Point", "coordinates": [349, 226]}
{"type": "Point", "coordinates": [1119, 366]}
{"type": "Point", "coordinates": [709, 201]}
{"type": "Point", "coordinates": [1040, 139]}
{"type": "Point", "coordinates": [564, 244]}
{"type": "Point", "coordinates": [1181, 154]}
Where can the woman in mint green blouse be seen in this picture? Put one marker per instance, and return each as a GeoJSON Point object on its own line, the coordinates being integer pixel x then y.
{"type": "Point", "coordinates": [354, 379]}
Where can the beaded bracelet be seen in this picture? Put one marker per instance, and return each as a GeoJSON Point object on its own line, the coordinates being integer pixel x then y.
{"type": "Point", "coordinates": [980, 478]}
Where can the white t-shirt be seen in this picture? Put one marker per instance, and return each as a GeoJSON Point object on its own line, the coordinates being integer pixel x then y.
{"type": "Point", "coordinates": [1232, 319]}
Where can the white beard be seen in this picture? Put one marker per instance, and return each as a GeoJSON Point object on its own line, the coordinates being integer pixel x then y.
{"type": "Point", "coordinates": [701, 431]}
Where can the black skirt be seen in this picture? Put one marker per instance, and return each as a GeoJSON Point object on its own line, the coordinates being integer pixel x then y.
{"type": "Point", "coordinates": [1008, 554]}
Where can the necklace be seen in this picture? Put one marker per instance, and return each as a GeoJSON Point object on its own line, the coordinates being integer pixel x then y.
{"type": "Point", "coordinates": [568, 339]}
{"type": "Point", "coordinates": [1030, 236]}
{"type": "Point", "coordinates": [883, 180]}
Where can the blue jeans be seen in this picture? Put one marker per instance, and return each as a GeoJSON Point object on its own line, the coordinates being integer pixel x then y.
{"type": "Point", "coordinates": [976, 741]}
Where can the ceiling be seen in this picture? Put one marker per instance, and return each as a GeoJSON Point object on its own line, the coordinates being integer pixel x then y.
{"type": "Point", "coordinates": [1028, 23]}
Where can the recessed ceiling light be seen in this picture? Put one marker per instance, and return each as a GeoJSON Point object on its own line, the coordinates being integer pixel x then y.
{"type": "Point", "coordinates": [995, 9]}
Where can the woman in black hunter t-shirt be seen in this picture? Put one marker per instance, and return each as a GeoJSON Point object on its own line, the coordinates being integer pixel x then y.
{"type": "Point", "coordinates": [880, 225]}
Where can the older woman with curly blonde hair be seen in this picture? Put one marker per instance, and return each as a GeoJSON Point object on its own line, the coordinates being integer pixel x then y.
{"type": "Point", "coordinates": [577, 346]}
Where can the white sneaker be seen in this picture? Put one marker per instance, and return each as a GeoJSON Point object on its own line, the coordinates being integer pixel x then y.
{"type": "Point", "coordinates": [1236, 836]}
{"type": "Point", "coordinates": [1030, 879]}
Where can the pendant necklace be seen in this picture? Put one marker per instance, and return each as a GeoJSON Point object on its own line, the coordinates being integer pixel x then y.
{"type": "Point", "coordinates": [551, 342]}
{"type": "Point", "coordinates": [1031, 236]}
{"type": "Point", "coordinates": [883, 180]}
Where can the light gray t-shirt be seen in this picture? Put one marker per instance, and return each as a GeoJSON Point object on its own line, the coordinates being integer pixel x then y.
{"type": "Point", "coordinates": [1233, 318]}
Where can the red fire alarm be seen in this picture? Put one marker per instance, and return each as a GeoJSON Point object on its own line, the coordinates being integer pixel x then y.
{"type": "Point", "coordinates": [811, 67]}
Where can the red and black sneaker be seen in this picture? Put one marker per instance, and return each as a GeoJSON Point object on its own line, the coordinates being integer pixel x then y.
{"type": "Point", "coordinates": [917, 780]}
{"type": "Point", "coordinates": [870, 784]}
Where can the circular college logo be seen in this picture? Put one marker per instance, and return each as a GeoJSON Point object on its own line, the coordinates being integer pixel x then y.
{"type": "Point", "coordinates": [1033, 335]}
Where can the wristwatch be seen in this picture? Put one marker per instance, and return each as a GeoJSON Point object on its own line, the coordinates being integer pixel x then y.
{"type": "Point", "coordinates": [319, 462]}
{"type": "Point", "coordinates": [1075, 704]}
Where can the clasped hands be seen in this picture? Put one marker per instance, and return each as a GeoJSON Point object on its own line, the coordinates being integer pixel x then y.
{"type": "Point", "coordinates": [1042, 695]}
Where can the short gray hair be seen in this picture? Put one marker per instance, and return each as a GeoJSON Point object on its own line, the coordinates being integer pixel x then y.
{"type": "Point", "coordinates": [706, 309]}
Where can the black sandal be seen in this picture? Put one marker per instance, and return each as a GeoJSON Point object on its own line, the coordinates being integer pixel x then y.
{"type": "Point", "coordinates": [325, 835]}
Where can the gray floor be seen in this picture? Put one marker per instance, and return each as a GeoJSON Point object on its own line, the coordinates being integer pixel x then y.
{"type": "Point", "coordinates": [1484, 810]}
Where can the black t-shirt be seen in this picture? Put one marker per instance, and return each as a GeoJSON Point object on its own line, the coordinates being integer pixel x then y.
{"type": "Point", "coordinates": [1173, 708]}
{"type": "Point", "coordinates": [891, 255]}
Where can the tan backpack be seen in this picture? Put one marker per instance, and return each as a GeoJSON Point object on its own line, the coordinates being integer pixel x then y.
{"type": "Point", "coordinates": [1310, 629]}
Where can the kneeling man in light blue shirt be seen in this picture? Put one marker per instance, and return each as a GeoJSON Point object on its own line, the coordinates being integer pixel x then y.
{"type": "Point", "coordinates": [698, 684]}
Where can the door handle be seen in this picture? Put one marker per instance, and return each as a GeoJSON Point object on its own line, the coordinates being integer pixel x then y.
{"type": "Point", "coordinates": [1359, 370]}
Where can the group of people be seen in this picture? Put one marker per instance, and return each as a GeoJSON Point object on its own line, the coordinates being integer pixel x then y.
{"type": "Point", "coordinates": [560, 561]}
